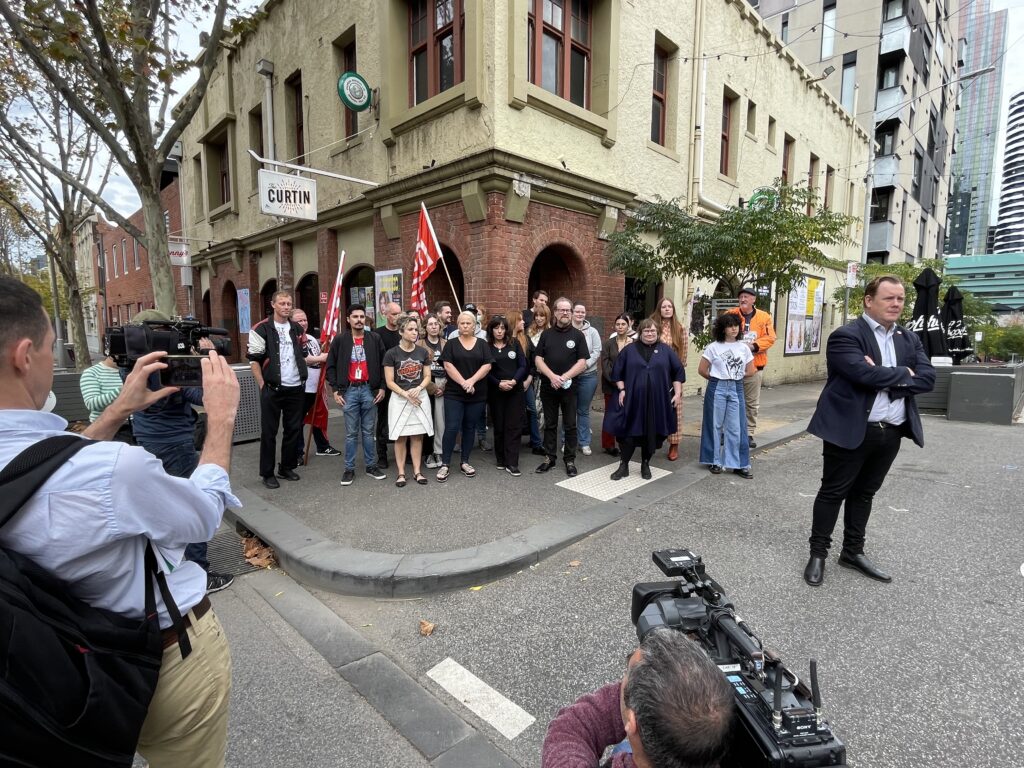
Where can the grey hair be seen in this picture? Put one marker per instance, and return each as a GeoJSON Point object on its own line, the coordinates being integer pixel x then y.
{"type": "Point", "coordinates": [682, 702]}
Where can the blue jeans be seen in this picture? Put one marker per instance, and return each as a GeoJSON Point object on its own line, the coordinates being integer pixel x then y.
{"type": "Point", "coordinates": [459, 416]}
{"type": "Point", "coordinates": [531, 409]}
{"type": "Point", "coordinates": [180, 460]}
{"type": "Point", "coordinates": [723, 435]}
{"type": "Point", "coordinates": [587, 384]}
{"type": "Point", "coordinates": [360, 419]}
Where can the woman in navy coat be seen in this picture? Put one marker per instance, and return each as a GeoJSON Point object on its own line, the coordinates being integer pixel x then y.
{"type": "Point", "coordinates": [649, 377]}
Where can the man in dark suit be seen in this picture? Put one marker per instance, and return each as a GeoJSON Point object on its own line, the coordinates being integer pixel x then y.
{"type": "Point", "coordinates": [875, 367]}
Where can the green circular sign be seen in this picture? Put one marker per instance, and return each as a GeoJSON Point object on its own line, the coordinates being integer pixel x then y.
{"type": "Point", "coordinates": [763, 197]}
{"type": "Point", "coordinates": [354, 92]}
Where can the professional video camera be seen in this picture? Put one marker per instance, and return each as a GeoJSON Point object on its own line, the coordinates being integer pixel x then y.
{"type": "Point", "coordinates": [778, 721]}
{"type": "Point", "coordinates": [179, 338]}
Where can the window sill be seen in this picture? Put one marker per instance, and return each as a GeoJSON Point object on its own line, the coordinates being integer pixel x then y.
{"type": "Point", "coordinates": [771, 148]}
{"type": "Point", "coordinates": [352, 143]}
{"type": "Point", "coordinates": [219, 213]}
{"type": "Point", "coordinates": [728, 180]}
{"type": "Point", "coordinates": [662, 150]}
{"type": "Point", "coordinates": [751, 136]}
{"type": "Point", "coordinates": [435, 106]}
{"type": "Point", "coordinates": [563, 109]}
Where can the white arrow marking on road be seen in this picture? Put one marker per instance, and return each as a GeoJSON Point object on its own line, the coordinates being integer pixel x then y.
{"type": "Point", "coordinates": [507, 717]}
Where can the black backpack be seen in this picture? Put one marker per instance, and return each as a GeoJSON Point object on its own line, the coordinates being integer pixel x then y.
{"type": "Point", "coordinates": [75, 681]}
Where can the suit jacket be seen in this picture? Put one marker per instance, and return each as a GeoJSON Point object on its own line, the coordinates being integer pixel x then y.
{"type": "Point", "coordinates": [842, 413]}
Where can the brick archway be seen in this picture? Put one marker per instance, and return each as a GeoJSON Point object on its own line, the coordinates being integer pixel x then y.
{"type": "Point", "coordinates": [559, 271]}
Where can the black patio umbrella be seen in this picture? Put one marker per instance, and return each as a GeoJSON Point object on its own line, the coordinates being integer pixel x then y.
{"type": "Point", "coordinates": [953, 320]}
{"type": "Point", "coordinates": [925, 321]}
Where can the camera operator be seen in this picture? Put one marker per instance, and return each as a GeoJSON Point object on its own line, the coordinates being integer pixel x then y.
{"type": "Point", "coordinates": [672, 709]}
{"type": "Point", "coordinates": [167, 430]}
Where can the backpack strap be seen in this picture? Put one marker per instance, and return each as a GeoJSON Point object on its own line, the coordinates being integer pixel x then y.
{"type": "Point", "coordinates": [26, 472]}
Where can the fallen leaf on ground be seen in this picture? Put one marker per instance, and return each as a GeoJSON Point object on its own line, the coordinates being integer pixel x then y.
{"type": "Point", "coordinates": [475, 589]}
{"type": "Point", "coordinates": [575, 563]}
{"type": "Point", "coordinates": [426, 628]}
{"type": "Point", "coordinates": [257, 553]}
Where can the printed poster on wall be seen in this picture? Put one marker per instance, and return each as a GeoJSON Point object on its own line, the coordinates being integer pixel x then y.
{"type": "Point", "coordinates": [804, 317]}
{"type": "Point", "coordinates": [244, 318]}
{"type": "Point", "coordinates": [388, 287]}
{"type": "Point", "coordinates": [361, 294]}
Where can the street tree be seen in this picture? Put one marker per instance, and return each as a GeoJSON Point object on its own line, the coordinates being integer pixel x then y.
{"type": "Point", "coordinates": [13, 234]}
{"type": "Point", "coordinates": [39, 130]}
{"type": "Point", "coordinates": [771, 241]}
{"type": "Point", "coordinates": [129, 54]}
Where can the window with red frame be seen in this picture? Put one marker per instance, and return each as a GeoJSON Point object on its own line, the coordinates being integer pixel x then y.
{"type": "Point", "coordinates": [559, 48]}
{"type": "Point", "coordinates": [659, 98]}
{"type": "Point", "coordinates": [436, 47]}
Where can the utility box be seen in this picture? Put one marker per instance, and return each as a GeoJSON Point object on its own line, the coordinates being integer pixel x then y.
{"type": "Point", "coordinates": [248, 422]}
{"type": "Point", "coordinates": [982, 397]}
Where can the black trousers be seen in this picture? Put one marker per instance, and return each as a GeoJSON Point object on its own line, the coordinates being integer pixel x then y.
{"type": "Point", "coordinates": [277, 404]}
{"type": "Point", "coordinates": [382, 425]}
{"type": "Point", "coordinates": [553, 401]}
{"type": "Point", "coordinates": [507, 411]}
{"type": "Point", "coordinates": [628, 446]}
{"type": "Point", "coordinates": [851, 477]}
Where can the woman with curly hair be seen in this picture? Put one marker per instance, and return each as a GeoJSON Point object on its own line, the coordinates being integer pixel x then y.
{"type": "Point", "coordinates": [672, 332]}
{"type": "Point", "coordinates": [725, 363]}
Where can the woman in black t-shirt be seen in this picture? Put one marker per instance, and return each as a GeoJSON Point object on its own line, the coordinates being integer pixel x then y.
{"type": "Point", "coordinates": [467, 361]}
{"type": "Point", "coordinates": [505, 393]}
{"type": "Point", "coordinates": [433, 341]}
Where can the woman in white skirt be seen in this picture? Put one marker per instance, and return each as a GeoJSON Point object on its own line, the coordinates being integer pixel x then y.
{"type": "Point", "coordinates": [407, 373]}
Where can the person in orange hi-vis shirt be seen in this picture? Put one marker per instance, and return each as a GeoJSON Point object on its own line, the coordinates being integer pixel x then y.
{"type": "Point", "coordinates": [758, 331]}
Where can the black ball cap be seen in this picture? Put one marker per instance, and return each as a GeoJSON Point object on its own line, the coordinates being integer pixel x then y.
{"type": "Point", "coordinates": [748, 289]}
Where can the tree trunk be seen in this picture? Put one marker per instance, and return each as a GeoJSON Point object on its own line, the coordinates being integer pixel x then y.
{"type": "Point", "coordinates": [76, 321]}
{"type": "Point", "coordinates": [156, 244]}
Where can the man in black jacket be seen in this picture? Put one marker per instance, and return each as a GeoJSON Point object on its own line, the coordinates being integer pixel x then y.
{"type": "Point", "coordinates": [355, 371]}
{"type": "Point", "coordinates": [875, 367]}
{"type": "Point", "coordinates": [279, 368]}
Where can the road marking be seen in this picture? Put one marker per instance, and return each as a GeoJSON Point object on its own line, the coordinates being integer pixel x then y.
{"type": "Point", "coordinates": [507, 717]}
{"type": "Point", "coordinates": [1022, 569]}
{"type": "Point", "coordinates": [597, 483]}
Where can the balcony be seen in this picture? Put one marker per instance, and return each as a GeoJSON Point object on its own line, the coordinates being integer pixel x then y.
{"type": "Point", "coordinates": [895, 36]}
{"type": "Point", "coordinates": [880, 236]}
{"type": "Point", "coordinates": [891, 103]}
{"type": "Point", "coordinates": [886, 172]}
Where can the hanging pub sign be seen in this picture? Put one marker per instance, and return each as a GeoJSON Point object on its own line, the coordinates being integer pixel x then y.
{"type": "Point", "coordinates": [282, 194]}
{"type": "Point", "coordinates": [354, 92]}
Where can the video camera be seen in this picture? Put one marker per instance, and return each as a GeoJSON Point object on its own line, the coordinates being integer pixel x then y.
{"type": "Point", "coordinates": [179, 338]}
{"type": "Point", "coordinates": [778, 720]}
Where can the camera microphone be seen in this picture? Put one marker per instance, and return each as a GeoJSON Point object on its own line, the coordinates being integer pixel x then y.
{"type": "Point", "coordinates": [815, 693]}
{"type": "Point", "coordinates": [777, 699]}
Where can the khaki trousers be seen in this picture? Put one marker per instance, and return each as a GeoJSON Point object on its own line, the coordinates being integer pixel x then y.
{"type": "Point", "coordinates": [752, 394]}
{"type": "Point", "coordinates": [187, 724]}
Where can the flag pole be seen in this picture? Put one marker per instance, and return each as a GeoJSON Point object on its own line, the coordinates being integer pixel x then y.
{"type": "Point", "coordinates": [430, 226]}
{"type": "Point", "coordinates": [332, 319]}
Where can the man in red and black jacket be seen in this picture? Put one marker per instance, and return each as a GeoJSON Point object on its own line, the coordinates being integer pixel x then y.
{"type": "Point", "coordinates": [275, 355]}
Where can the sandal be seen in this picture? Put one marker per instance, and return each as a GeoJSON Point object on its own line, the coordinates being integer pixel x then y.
{"type": "Point", "coordinates": [442, 473]}
{"type": "Point", "coordinates": [400, 481]}
{"type": "Point", "coordinates": [467, 469]}
{"type": "Point", "coordinates": [419, 478]}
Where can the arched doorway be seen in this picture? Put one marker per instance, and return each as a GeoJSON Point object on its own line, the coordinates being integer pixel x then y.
{"type": "Point", "coordinates": [557, 271]}
{"type": "Point", "coordinates": [437, 287]}
{"type": "Point", "coordinates": [229, 318]}
{"type": "Point", "coordinates": [641, 297]}
{"type": "Point", "coordinates": [207, 317]}
{"type": "Point", "coordinates": [266, 296]}
{"type": "Point", "coordinates": [307, 298]}
{"type": "Point", "coordinates": [358, 284]}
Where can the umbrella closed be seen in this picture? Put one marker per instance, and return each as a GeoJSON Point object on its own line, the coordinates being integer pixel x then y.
{"type": "Point", "coordinates": [925, 321]}
{"type": "Point", "coordinates": [953, 320]}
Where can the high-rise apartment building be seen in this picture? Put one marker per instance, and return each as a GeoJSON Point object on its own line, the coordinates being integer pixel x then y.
{"type": "Point", "coordinates": [891, 63]}
{"type": "Point", "coordinates": [982, 42]}
{"type": "Point", "coordinates": [1010, 230]}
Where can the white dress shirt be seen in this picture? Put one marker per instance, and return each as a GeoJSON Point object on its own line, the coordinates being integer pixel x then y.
{"type": "Point", "coordinates": [90, 522]}
{"type": "Point", "coordinates": [889, 410]}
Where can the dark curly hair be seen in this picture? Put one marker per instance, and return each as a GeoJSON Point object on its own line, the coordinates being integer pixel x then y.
{"type": "Point", "coordinates": [728, 320]}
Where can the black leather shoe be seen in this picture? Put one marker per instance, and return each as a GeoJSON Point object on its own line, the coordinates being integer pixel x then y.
{"type": "Point", "coordinates": [865, 566]}
{"type": "Point", "coordinates": [621, 472]}
{"type": "Point", "coordinates": [746, 474]}
{"type": "Point", "coordinates": [570, 469]}
{"type": "Point", "coordinates": [814, 573]}
{"type": "Point", "coordinates": [645, 470]}
{"type": "Point", "coordinates": [288, 474]}
{"type": "Point", "coordinates": [547, 464]}
{"type": "Point", "coordinates": [751, 443]}
{"type": "Point", "coordinates": [271, 482]}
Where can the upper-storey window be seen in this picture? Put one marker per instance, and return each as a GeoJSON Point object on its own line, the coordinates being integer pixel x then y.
{"type": "Point", "coordinates": [559, 48]}
{"type": "Point", "coordinates": [436, 47]}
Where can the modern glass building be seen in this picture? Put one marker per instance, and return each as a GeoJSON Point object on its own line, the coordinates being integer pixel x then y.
{"type": "Point", "coordinates": [996, 278]}
{"type": "Point", "coordinates": [1010, 231]}
{"type": "Point", "coordinates": [982, 40]}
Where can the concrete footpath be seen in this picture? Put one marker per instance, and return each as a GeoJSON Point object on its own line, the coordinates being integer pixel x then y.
{"type": "Point", "coordinates": [374, 539]}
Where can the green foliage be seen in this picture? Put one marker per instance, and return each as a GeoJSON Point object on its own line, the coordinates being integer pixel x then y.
{"type": "Point", "coordinates": [1001, 342]}
{"type": "Point", "coordinates": [976, 311]}
{"type": "Point", "coordinates": [762, 245]}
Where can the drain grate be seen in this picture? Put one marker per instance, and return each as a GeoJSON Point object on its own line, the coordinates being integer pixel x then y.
{"type": "Point", "coordinates": [225, 554]}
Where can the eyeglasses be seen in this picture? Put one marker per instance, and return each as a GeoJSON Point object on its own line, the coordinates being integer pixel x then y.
{"type": "Point", "coordinates": [563, 310]}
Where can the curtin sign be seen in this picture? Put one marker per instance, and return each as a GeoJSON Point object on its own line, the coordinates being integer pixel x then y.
{"type": "Point", "coordinates": [282, 194]}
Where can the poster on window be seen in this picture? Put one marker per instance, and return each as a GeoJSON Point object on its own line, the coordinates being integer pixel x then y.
{"type": "Point", "coordinates": [388, 288]}
{"type": "Point", "coordinates": [244, 318]}
{"type": "Point", "coordinates": [804, 317]}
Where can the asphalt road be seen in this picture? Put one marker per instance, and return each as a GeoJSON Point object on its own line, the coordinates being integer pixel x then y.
{"type": "Point", "coordinates": [921, 672]}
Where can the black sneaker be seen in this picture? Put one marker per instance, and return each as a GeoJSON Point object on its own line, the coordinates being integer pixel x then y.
{"type": "Point", "coordinates": [328, 451]}
{"type": "Point", "coordinates": [348, 477]}
{"type": "Point", "coordinates": [545, 466]}
{"type": "Point", "coordinates": [376, 473]}
{"type": "Point", "coordinates": [570, 469]}
{"type": "Point", "coordinates": [271, 482]}
{"type": "Point", "coordinates": [215, 582]}
{"type": "Point", "coordinates": [514, 471]}
{"type": "Point", "coordinates": [288, 474]}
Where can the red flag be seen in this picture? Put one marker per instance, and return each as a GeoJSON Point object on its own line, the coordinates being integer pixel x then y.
{"type": "Point", "coordinates": [428, 254]}
{"type": "Point", "coordinates": [317, 415]}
